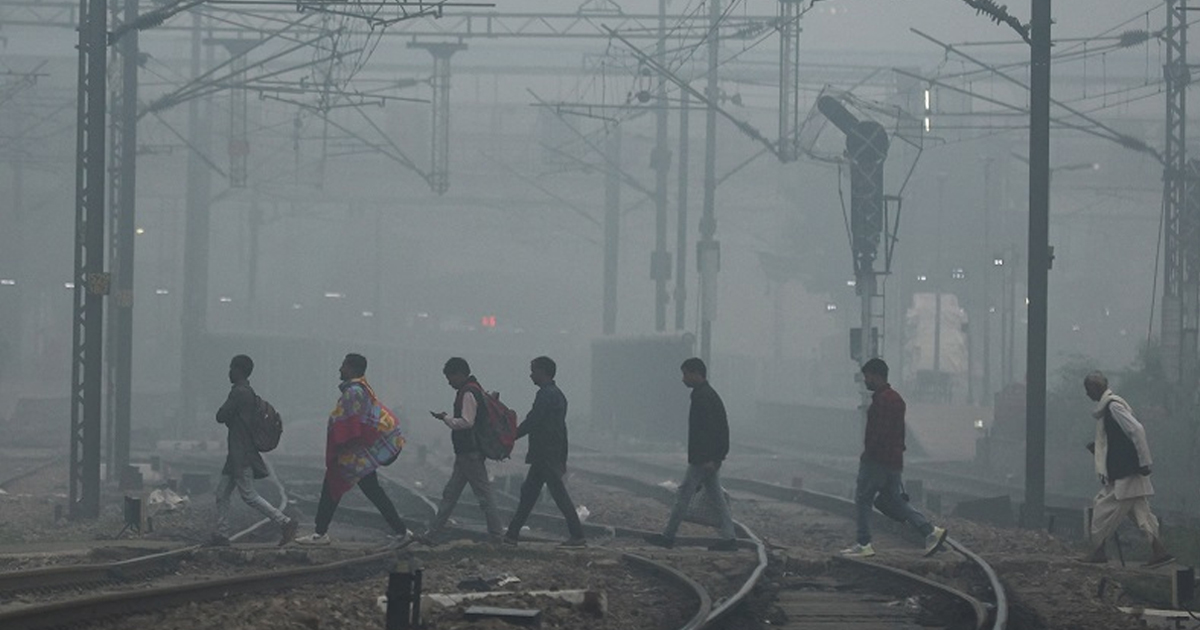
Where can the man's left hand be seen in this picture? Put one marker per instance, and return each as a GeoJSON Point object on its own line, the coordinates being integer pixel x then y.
{"type": "Point", "coordinates": [1144, 470]}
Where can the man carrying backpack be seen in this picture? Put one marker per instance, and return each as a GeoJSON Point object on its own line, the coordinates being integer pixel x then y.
{"type": "Point", "coordinates": [470, 466]}
{"type": "Point", "coordinates": [546, 427]}
{"type": "Point", "coordinates": [361, 436]}
{"type": "Point", "coordinates": [243, 464]}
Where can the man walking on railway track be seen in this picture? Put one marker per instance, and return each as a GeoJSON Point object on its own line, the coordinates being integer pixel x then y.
{"type": "Point", "coordinates": [1122, 459]}
{"type": "Point", "coordinates": [362, 435]}
{"type": "Point", "coordinates": [243, 463]}
{"type": "Point", "coordinates": [546, 426]}
{"type": "Point", "coordinates": [708, 444]}
{"type": "Point", "coordinates": [879, 468]}
{"type": "Point", "coordinates": [470, 466]}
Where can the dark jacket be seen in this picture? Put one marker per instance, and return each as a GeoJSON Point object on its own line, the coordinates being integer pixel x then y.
{"type": "Point", "coordinates": [236, 414]}
{"type": "Point", "coordinates": [883, 440]}
{"type": "Point", "coordinates": [708, 426]}
{"type": "Point", "coordinates": [1122, 457]}
{"type": "Point", "coordinates": [546, 426]}
{"type": "Point", "coordinates": [465, 440]}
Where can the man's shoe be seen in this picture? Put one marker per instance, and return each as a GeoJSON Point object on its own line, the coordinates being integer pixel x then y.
{"type": "Point", "coordinates": [217, 540]}
{"type": "Point", "coordinates": [1096, 557]}
{"type": "Point", "coordinates": [658, 540]}
{"type": "Point", "coordinates": [426, 538]}
{"type": "Point", "coordinates": [573, 542]}
{"type": "Point", "coordinates": [288, 532]}
{"type": "Point", "coordinates": [729, 544]}
{"type": "Point", "coordinates": [508, 541]}
{"type": "Point", "coordinates": [1158, 561]}
{"type": "Point", "coordinates": [934, 540]}
{"type": "Point", "coordinates": [314, 540]}
{"type": "Point", "coordinates": [859, 551]}
{"type": "Point", "coordinates": [404, 539]}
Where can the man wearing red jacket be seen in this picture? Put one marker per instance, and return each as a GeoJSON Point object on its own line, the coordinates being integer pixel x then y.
{"type": "Point", "coordinates": [881, 463]}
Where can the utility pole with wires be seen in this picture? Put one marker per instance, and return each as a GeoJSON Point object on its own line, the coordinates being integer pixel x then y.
{"type": "Point", "coordinates": [660, 162]}
{"type": "Point", "coordinates": [1040, 259]}
{"type": "Point", "coordinates": [708, 249]}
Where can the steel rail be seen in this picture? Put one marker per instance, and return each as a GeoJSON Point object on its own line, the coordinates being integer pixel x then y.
{"type": "Point", "coordinates": [980, 610]}
{"type": "Point", "coordinates": [846, 508]}
{"type": "Point", "coordinates": [703, 611]}
{"type": "Point", "coordinates": [92, 607]}
{"type": "Point", "coordinates": [81, 575]}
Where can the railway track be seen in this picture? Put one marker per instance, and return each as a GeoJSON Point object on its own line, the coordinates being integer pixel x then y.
{"type": "Point", "coordinates": [859, 585]}
{"type": "Point", "coordinates": [990, 614]}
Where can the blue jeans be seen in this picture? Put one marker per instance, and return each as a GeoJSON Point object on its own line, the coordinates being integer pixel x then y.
{"type": "Point", "coordinates": [875, 480]}
{"type": "Point", "coordinates": [696, 477]}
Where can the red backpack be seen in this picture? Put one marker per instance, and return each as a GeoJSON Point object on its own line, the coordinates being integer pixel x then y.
{"type": "Point", "coordinates": [498, 433]}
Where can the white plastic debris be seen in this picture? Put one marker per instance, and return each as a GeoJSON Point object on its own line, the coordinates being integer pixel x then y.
{"type": "Point", "coordinates": [166, 497]}
{"type": "Point", "coordinates": [583, 512]}
{"type": "Point", "coordinates": [669, 485]}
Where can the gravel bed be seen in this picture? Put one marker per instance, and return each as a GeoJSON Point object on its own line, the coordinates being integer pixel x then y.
{"type": "Point", "coordinates": [1048, 589]}
{"type": "Point", "coordinates": [635, 599]}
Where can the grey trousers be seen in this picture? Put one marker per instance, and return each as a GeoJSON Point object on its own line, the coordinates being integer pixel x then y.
{"type": "Point", "coordinates": [244, 482]}
{"type": "Point", "coordinates": [469, 468]}
{"type": "Point", "coordinates": [709, 481]}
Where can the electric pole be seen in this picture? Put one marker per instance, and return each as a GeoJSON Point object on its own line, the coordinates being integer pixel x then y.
{"type": "Point", "coordinates": [90, 281]}
{"type": "Point", "coordinates": [708, 250]}
{"type": "Point", "coordinates": [123, 204]}
{"type": "Point", "coordinates": [1039, 265]}
{"type": "Point", "coordinates": [660, 161]}
{"type": "Point", "coordinates": [612, 226]}
{"type": "Point", "coordinates": [194, 320]}
{"type": "Point", "coordinates": [681, 221]}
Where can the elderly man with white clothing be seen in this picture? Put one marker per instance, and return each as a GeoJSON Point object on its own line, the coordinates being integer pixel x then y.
{"type": "Point", "coordinates": [1122, 459]}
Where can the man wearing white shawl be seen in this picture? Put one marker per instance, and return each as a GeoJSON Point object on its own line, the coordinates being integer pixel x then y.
{"type": "Point", "coordinates": [1122, 459]}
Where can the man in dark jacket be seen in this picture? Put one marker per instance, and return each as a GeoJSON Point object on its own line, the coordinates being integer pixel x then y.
{"type": "Point", "coordinates": [546, 427]}
{"type": "Point", "coordinates": [243, 464]}
{"type": "Point", "coordinates": [470, 466]}
{"type": "Point", "coordinates": [708, 444]}
{"type": "Point", "coordinates": [881, 463]}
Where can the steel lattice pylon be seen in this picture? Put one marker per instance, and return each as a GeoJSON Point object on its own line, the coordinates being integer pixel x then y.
{"type": "Point", "coordinates": [91, 282]}
{"type": "Point", "coordinates": [1179, 299]}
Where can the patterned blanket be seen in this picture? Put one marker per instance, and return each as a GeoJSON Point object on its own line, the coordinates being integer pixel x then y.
{"type": "Point", "coordinates": [362, 435]}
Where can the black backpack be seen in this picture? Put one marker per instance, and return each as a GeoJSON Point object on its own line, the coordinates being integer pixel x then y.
{"type": "Point", "coordinates": [267, 427]}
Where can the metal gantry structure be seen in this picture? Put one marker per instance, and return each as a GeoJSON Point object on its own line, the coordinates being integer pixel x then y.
{"type": "Point", "coordinates": [98, 161]}
{"type": "Point", "coordinates": [1181, 226]}
{"type": "Point", "coordinates": [91, 282]}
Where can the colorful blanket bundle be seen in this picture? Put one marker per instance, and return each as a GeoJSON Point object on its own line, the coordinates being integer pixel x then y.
{"type": "Point", "coordinates": [361, 436]}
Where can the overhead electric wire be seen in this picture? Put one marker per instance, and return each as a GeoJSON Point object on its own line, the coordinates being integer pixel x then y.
{"type": "Point", "coordinates": [1117, 136]}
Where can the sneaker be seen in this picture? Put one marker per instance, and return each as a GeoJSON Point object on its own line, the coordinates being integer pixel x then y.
{"type": "Point", "coordinates": [934, 540]}
{"type": "Point", "coordinates": [729, 544]}
{"type": "Point", "coordinates": [401, 540]}
{"type": "Point", "coordinates": [217, 540]}
{"type": "Point", "coordinates": [314, 540]}
{"type": "Point", "coordinates": [288, 532]}
{"type": "Point", "coordinates": [573, 542]}
{"type": "Point", "coordinates": [658, 540]}
{"type": "Point", "coordinates": [859, 551]}
{"type": "Point", "coordinates": [508, 541]}
{"type": "Point", "coordinates": [1097, 556]}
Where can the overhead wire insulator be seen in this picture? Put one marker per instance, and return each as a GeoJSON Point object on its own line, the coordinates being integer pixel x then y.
{"type": "Point", "coordinates": [1131, 38]}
